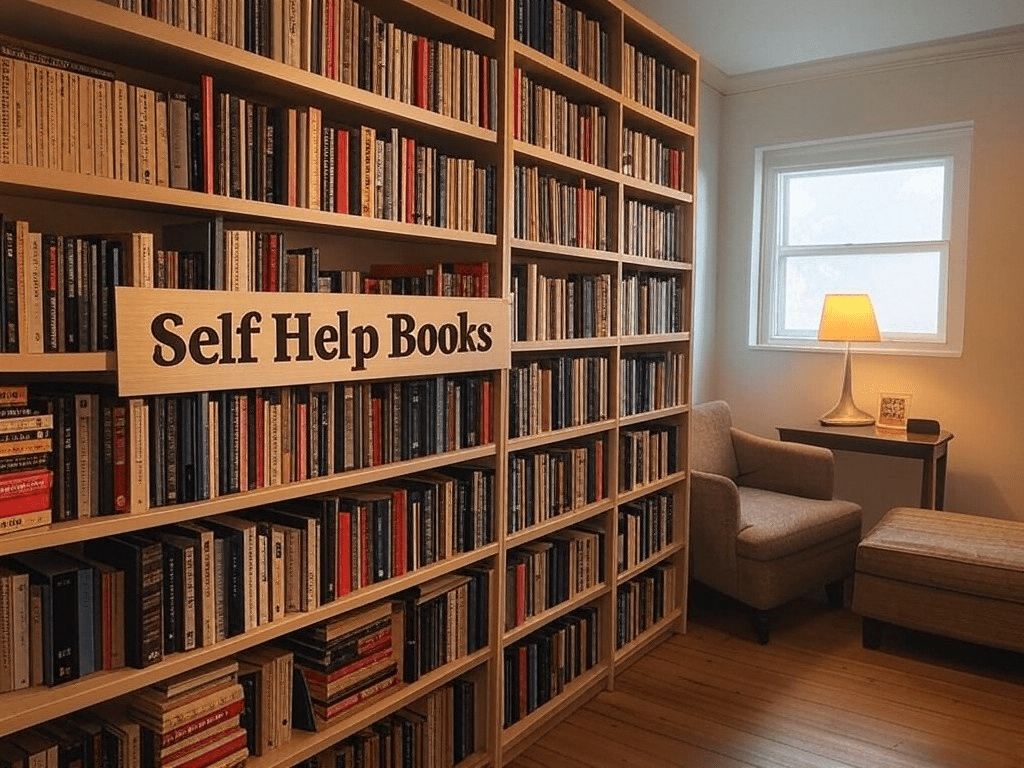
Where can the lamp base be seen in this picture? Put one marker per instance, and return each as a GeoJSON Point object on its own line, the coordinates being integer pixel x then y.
{"type": "Point", "coordinates": [845, 413]}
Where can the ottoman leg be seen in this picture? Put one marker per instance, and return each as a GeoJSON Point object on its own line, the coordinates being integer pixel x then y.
{"type": "Point", "coordinates": [761, 627]}
{"type": "Point", "coordinates": [871, 633]}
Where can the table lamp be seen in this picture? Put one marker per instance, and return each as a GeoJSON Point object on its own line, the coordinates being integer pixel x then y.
{"type": "Point", "coordinates": [847, 317]}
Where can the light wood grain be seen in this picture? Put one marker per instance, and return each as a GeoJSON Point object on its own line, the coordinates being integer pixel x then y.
{"type": "Point", "coordinates": [812, 698]}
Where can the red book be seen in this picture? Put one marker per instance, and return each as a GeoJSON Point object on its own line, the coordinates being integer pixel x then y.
{"type": "Point", "coordinates": [520, 594]}
{"type": "Point", "coordinates": [344, 578]}
{"type": "Point", "coordinates": [377, 434]}
{"type": "Point", "coordinates": [243, 443]}
{"type": "Point", "coordinates": [274, 262]}
{"type": "Point", "coordinates": [364, 547]}
{"type": "Point", "coordinates": [524, 676]}
{"type": "Point", "coordinates": [24, 504]}
{"type": "Point", "coordinates": [517, 104]}
{"type": "Point", "coordinates": [382, 652]}
{"type": "Point", "coordinates": [122, 477]}
{"type": "Point", "coordinates": [422, 75]}
{"type": "Point", "coordinates": [206, 94]}
{"type": "Point", "coordinates": [341, 178]}
{"type": "Point", "coordinates": [26, 483]}
{"type": "Point", "coordinates": [223, 750]}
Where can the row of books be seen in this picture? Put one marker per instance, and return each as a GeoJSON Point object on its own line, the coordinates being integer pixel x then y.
{"type": "Point", "coordinates": [549, 119]}
{"type": "Point", "coordinates": [651, 381]}
{"type": "Point", "coordinates": [648, 158]}
{"type": "Point", "coordinates": [132, 599]}
{"type": "Point", "coordinates": [115, 455]}
{"type": "Point", "coordinates": [26, 474]}
{"type": "Point", "coordinates": [206, 717]}
{"type": "Point", "coordinates": [345, 41]}
{"type": "Point", "coordinates": [551, 570]}
{"type": "Point", "coordinates": [548, 210]}
{"type": "Point", "coordinates": [564, 33]}
{"type": "Point", "coordinates": [550, 307]}
{"type": "Point", "coordinates": [650, 303]}
{"type": "Point", "coordinates": [646, 455]}
{"type": "Point", "coordinates": [444, 620]}
{"type": "Point", "coordinates": [655, 84]}
{"type": "Point", "coordinates": [645, 528]}
{"type": "Point", "coordinates": [652, 231]}
{"type": "Point", "coordinates": [557, 393]}
{"type": "Point", "coordinates": [437, 731]}
{"type": "Point", "coordinates": [539, 667]}
{"type": "Point", "coordinates": [642, 602]}
{"type": "Point", "coordinates": [548, 482]}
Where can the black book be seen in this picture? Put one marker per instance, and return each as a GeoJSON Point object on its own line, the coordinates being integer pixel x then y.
{"type": "Point", "coordinates": [52, 307]}
{"type": "Point", "coordinates": [201, 237]}
{"type": "Point", "coordinates": [142, 563]}
{"type": "Point", "coordinates": [58, 577]}
{"type": "Point", "coordinates": [235, 566]}
{"type": "Point", "coordinates": [325, 510]}
{"type": "Point", "coordinates": [9, 281]}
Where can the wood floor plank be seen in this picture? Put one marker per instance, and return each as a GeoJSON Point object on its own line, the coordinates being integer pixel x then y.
{"type": "Point", "coordinates": [812, 698]}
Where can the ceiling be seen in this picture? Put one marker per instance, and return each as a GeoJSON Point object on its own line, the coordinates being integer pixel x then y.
{"type": "Point", "coordinates": [743, 36]}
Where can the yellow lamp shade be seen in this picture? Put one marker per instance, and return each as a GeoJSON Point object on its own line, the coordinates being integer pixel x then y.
{"type": "Point", "coordinates": [848, 317]}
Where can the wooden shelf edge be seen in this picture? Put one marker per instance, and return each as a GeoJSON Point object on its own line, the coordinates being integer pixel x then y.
{"type": "Point", "coordinates": [624, 497]}
{"type": "Point", "coordinates": [534, 623]}
{"type": "Point", "coordinates": [71, 531]}
{"type": "Point", "coordinates": [463, 21]}
{"type": "Point", "coordinates": [666, 194]}
{"type": "Point", "coordinates": [305, 744]}
{"type": "Point", "coordinates": [663, 413]}
{"type": "Point", "coordinates": [535, 59]}
{"type": "Point", "coordinates": [525, 150]}
{"type": "Point", "coordinates": [640, 339]}
{"type": "Point", "coordinates": [529, 727]}
{"type": "Point", "coordinates": [559, 435]}
{"type": "Point", "coordinates": [660, 556]}
{"type": "Point", "coordinates": [58, 362]}
{"type": "Point", "coordinates": [556, 345]}
{"type": "Point", "coordinates": [636, 110]}
{"type": "Point", "coordinates": [53, 184]}
{"type": "Point", "coordinates": [552, 251]}
{"type": "Point", "coordinates": [557, 523]}
{"type": "Point", "coordinates": [38, 704]}
{"type": "Point", "coordinates": [661, 264]}
{"type": "Point", "coordinates": [643, 642]}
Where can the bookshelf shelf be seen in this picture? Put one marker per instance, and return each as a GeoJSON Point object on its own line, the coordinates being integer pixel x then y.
{"type": "Point", "coordinates": [569, 79]}
{"type": "Point", "coordinates": [664, 413]}
{"type": "Point", "coordinates": [305, 744]}
{"type": "Point", "coordinates": [153, 59]}
{"type": "Point", "coordinates": [651, 636]}
{"type": "Point", "coordinates": [518, 734]}
{"type": "Point", "coordinates": [550, 251]}
{"type": "Point", "coordinates": [535, 622]}
{"type": "Point", "coordinates": [557, 523]}
{"type": "Point", "coordinates": [61, 186]}
{"type": "Point", "coordinates": [657, 557]}
{"type": "Point", "coordinates": [32, 705]}
{"type": "Point", "coordinates": [71, 531]}
{"type": "Point", "coordinates": [558, 435]}
{"type": "Point", "coordinates": [624, 497]}
{"type": "Point", "coordinates": [529, 154]}
{"type": "Point", "coordinates": [59, 362]}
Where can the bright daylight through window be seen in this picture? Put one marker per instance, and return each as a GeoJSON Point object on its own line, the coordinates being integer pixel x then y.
{"type": "Point", "coordinates": [884, 215]}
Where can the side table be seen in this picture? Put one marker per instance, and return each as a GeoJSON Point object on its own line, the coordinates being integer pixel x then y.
{"type": "Point", "coordinates": [932, 450]}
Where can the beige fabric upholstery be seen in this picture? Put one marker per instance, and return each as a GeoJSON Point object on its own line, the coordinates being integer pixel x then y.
{"type": "Point", "coordinates": [764, 527]}
{"type": "Point", "coordinates": [945, 572]}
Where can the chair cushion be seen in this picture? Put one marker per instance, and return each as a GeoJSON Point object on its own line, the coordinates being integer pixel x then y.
{"type": "Point", "coordinates": [774, 525]}
{"type": "Point", "coordinates": [961, 553]}
{"type": "Point", "coordinates": [711, 440]}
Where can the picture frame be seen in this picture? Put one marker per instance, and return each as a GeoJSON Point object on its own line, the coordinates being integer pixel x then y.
{"type": "Point", "coordinates": [893, 410]}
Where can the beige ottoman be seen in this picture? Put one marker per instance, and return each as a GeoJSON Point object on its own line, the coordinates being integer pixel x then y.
{"type": "Point", "coordinates": [952, 574]}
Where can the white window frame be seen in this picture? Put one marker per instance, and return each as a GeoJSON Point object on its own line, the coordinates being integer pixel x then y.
{"type": "Point", "coordinates": [950, 144]}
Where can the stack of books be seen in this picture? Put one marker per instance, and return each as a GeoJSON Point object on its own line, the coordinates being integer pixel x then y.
{"type": "Point", "coordinates": [26, 449]}
{"type": "Point", "coordinates": [192, 719]}
{"type": "Point", "coordinates": [348, 660]}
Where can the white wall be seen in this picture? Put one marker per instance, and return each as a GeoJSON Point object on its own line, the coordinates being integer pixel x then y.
{"type": "Point", "coordinates": [977, 396]}
{"type": "Point", "coordinates": [706, 236]}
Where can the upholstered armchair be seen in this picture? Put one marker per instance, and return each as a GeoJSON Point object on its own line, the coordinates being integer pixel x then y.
{"type": "Point", "coordinates": [764, 527]}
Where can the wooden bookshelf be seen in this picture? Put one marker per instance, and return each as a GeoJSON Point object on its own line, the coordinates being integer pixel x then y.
{"type": "Point", "coordinates": [156, 55]}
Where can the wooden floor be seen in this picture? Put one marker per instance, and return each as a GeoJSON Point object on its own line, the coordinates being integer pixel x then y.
{"type": "Point", "coordinates": [812, 698]}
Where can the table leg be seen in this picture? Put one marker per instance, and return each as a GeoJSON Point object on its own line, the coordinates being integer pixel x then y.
{"type": "Point", "coordinates": [928, 482]}
{"type": "Point", "coordinates": [940, 481]}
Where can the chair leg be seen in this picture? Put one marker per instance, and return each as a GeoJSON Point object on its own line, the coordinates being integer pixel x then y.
{"type": "Point", "coordinates": [871, 633]}
{"type": "Point", "coordinates": [835, 592]}
{"type": "Point", "coordinates": [761, 627]}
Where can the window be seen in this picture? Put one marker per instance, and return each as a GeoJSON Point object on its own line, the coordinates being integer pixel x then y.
{"type": "Point", "coordinates": [884, 215]}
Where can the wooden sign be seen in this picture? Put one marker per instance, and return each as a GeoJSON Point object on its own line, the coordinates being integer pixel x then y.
{"type": "Point", "coordinates": [172, 341]}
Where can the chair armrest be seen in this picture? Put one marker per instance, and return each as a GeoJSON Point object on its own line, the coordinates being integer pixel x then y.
{"type": "Point", "coordinates": [792, 468]}
{"type": "Point", "coordinates": [714, 523]}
